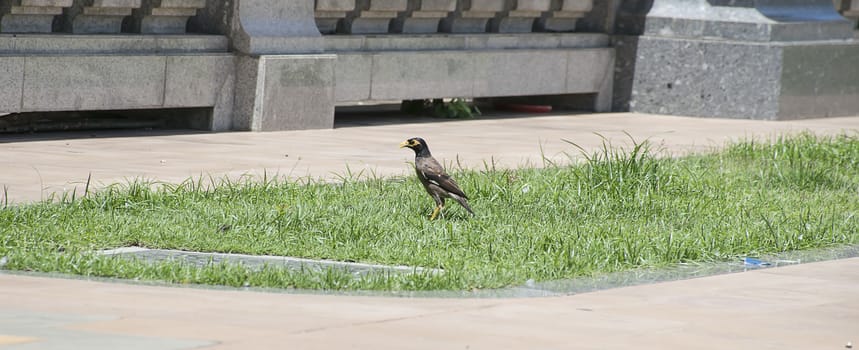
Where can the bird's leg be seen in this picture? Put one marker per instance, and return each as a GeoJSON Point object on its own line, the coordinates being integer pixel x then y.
{"type": "Point", "coordinates": [435, 212]}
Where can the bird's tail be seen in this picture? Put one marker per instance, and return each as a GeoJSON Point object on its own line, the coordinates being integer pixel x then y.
{"type": "Point", "coordinates": [464, 203]}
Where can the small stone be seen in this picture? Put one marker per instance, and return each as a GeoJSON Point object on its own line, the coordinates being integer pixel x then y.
{"type": "Point", "coordinates": [849, 345]}
{"type": "Point", "coordinates": [163, 161]}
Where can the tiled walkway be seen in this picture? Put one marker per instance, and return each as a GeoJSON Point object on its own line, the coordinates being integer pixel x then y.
{"type": "Point", "coordinates": [809, 306]}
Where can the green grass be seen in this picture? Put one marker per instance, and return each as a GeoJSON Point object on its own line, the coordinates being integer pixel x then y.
{"type": "Point", "coordinates": [618, 210]}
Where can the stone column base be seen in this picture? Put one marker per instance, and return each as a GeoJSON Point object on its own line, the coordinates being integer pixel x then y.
{"type": "Point", "coordinates": [736, 79]}
{"type": "Point", "coordinates": [285, 92]}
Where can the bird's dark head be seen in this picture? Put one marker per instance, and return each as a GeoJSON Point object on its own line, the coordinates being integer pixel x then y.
{"type": "Point", "coordinates": [417, 144]}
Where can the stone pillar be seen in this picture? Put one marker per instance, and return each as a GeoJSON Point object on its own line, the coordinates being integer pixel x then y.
{"type": "Point", "coordinates": [848, 8]}
{"type": "Point", "coordinates": [564, 15]}
{"type": "Point", "coordinates": [30, 16]}
{"type": "Point", "coordinates": [372, 16]}
{"type": "Point", "coordinates": [164, 16]}
{"type": "Point", "coordinates": [473, 16]}
{"type": "Point", "coordinates": [98, 16]}
{"type": "Point", "coordinates": [282, 80]}
{"type": "Point", "coordinates": [262, 27]}
{"type": "Point", "coordinates": [520, 16]}
{"type": "Point", "coordinates": [329, 13]}
{"type": "Point", "coordinates": [423, 16]}
{"type": "Point", "coordinates": [763, 59]}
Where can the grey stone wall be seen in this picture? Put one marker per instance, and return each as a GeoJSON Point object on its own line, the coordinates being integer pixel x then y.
{"type": "Point", "coordinates": [744, 59]}
{"type": "Point", "coordinates": [284, 64]}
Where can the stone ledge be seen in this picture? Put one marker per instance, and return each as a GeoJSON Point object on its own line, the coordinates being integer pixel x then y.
{"type": "Point", "coordinates": [405, 42]}
{"type": "Point", "coordinates": [110, 44]}
{"type": "Point", "coordinates": [408, 75]}
{"type": "Point", "coordinates": [63, 83]}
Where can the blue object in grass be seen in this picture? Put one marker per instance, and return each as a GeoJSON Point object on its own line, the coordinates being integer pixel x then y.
{"type": "Point", "coordinates": [755, 262]}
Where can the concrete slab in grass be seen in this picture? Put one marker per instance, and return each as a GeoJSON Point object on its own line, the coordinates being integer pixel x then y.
{"type": "Point", "coordinates": [93, 82]}
{"type": "Point", "coordinates": [257, 261]}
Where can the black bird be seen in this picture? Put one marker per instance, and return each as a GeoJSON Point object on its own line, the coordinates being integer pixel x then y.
{"type": "Point", "coordinates": [436, 181]}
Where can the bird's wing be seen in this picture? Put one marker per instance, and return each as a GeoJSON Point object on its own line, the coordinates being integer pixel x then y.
{"type": "Point", "coordinates": [435, 174]}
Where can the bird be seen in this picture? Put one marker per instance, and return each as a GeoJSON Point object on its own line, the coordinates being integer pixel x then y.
{"type": "Point", "coordinates": [435, 180]}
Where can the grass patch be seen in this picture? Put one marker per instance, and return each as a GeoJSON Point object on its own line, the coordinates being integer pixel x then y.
{"type": "Point", "coordinates": [618, 210]}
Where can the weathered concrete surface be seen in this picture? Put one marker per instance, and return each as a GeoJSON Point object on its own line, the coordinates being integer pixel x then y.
{"type": "Point", "coordinates": [262, 27]}
{"type": "Point", "coordinates": [37, 83]}
{"type": "Point", "coordinates": [744, 59]}
{"type": "Point", "coordinates": [17, 16]}
{"type": "Point", "coordinates": [288, 92]}
{"type": "Point", "coordinates": [406, 75]}
{"type": "Point", "coordinates": [811, 306]}
{"type": "Point", "coordinates": [33, 168]}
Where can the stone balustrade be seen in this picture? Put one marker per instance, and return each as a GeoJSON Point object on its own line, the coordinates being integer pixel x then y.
{"type": "Point", "coordinates": [329, 13]}
{"type": "Point", "coordinates": [449, 16]}
{"type": "Point", "coordinates": [265, 65]}
{"type": "Point", "coordinates": [30, 16]}
{"type": "Point", "coordinates": [423, 16]}
{"type": "Point", "coordinates": [331, 16]}
{"type": "Point", "coordinates": [373, 16]}
{"type": "Point", "coordinates": [98, 16]}
{"type": "Point", "coordinates": [564, 15]}
{"type": "Point", "coordinates": [164, 16]}
{"type": "Point", "coordinates": [520, 16]}
{"type": "Point", "coordinates": [473, 16]}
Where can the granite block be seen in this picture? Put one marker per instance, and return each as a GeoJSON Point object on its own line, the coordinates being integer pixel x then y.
{"type": "Point", "coordinates": [520, 73]}
{"type": "Point", "coordinates": [202, 81]}
{"type": "Point", "coordinates": [11, 83]}
{"type": "Point", "coordinates": [759, 21]}
{"type": "Point", "coordinates": [417, 75]}
{"type": "Point", "coordinates": [819, 81]}
{"type": "Point", "coordinates": [589, 70]}
{"type": "Point", "coordinates": [262, 27]}
{"type": "Point", "coordinates": [285, 92]}
{"type": "Point", "coordinates": [75, 83]}
{"type": "Point", "coordinates": [353, 72]}
{"type": "Point", "coordinates": [706, 78]}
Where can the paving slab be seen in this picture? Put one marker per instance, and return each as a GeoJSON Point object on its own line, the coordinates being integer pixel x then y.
{"type": "Point", "coordinates": [36, 166]}
{"type": "Point", "coordinates": [808, 306]}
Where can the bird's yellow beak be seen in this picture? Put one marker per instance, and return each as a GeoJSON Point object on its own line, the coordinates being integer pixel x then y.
{"type": "Point", "coordinates": [404, 144]}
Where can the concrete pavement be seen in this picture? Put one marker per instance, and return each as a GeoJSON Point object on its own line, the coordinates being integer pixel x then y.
{"type": "Point", "coordinates": [33, 168]}
{"type": "Point", "coordinates": [809, 306]}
